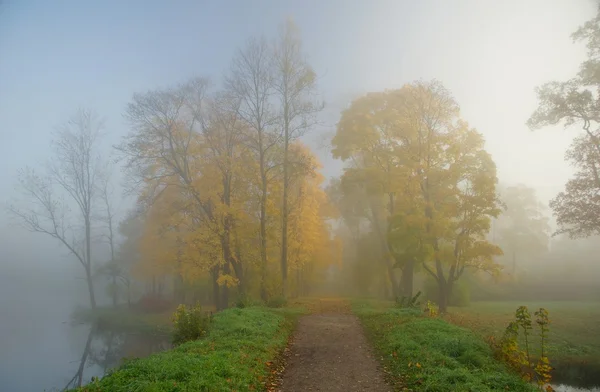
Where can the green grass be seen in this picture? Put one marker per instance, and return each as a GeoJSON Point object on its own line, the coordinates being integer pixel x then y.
{"type": "Point", "coordinates": [425, 354]}
{"type": "Point", "coordinates": [574, 329]}
{"type": "Point", "coordinates": [234, 356]}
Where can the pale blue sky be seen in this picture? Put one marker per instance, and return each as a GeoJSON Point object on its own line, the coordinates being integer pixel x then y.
{"type": "Point", "coordinates": [58, 55]}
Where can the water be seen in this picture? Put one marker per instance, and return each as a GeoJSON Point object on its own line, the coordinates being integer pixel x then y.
{"type": "Point", "coordinates": [567, 388]}
{"type": "Point", "coordinates": [105, 349]}
{"type": "Point", "coordinates": [569, 376]}
{"type": "Point", "coordinates": [39, 348]}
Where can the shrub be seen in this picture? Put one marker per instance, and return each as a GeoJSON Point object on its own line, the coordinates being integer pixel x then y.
{"type": "Point", "coordinates": [189, 324]}
{"type": "Point", "coordinates": [247, 302]}
{"type": "Point", "coordinates": [408, 302]}
{"type": "Point", "coordinates": [277, 302]}
{"type": "Point", "coordinates": [521, 359]}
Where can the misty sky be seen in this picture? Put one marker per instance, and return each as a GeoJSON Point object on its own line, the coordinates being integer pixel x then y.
{"type": "Point", "coordinates": [58, 55]}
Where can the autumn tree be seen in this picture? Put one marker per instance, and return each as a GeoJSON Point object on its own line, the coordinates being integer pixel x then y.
{"type": "Point", "coordinates": [457, 179]}
{"type": "Point", "coordinates": [575, 103]}
{"type": "Point", "coordinates": [70, 184]}
{"type": "Point", "coordinates": [429, 181]}
{"type": "Point", "coordinates": [250, 81]}
{"type": "Point", "coordinates": [294, 83]}
{"type": "Point", "coordinates": [364, 138]}
{"type": "Point", "coordinates": [165, 150]}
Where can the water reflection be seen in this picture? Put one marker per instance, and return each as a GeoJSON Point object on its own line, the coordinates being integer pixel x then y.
{"type": "Point", "coordinates": [105, 349]}
{"type": "Point", "coordinates": [576, 376]}
{"type": "Point", "coordinates": [566, 388]}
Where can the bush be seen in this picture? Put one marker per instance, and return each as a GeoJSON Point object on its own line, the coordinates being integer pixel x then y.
{"type": "Point", "coordinates": [152, 303]}
{"type": "Point", "coordinates": [189, 324]}
{"type": "Point", "coordinates": [408, 302]}
{"type": "Point", "coordinates": [247, 302]}
{"type": "Point", "coordinates": [460, 296]}
{"type": "Point", "coordinates": [277, 302]}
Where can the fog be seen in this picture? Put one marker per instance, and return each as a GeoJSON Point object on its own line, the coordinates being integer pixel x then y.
{"type": "Point", "coordinates": [58, 57]}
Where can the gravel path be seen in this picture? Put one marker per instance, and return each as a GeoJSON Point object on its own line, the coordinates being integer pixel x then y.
{"type": "Point", "coordinates": [329, 352]}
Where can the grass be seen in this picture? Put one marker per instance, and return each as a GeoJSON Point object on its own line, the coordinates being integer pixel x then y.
{"type": "Point", "coordinates": [425, 354]}
{"type": "Point", "coordinates": [236, 355]}
{"type": "Point", "coordinates": [574, 329]}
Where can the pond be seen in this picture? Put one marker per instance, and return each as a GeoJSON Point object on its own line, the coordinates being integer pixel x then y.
{"type": "Point", "coordinates": [105, 349]}
{"type": "Point", "coordinates": [576, 377]}
{"type": "Point", "coordinates": [40, 350]}
{"type": "Point", "coordinates": [89, 352]}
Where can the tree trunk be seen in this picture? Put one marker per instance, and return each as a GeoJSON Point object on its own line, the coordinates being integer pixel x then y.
{"type": "Point", "coordinates": [114, 291]}
{"type": "Point", "coordinates": [407, 279]}
{"type": "Point", "coordinates": [225, 288]}
{"type": "Point", "coordinates": [263, 236]}
{"type": "Point", "coordinates": [216, 288]}
{"type": "Point", "coordinates": [392, 277]}
{"type": "Point", "coordinates": [88, 261]}
{"type": "Point", "coordinates": [284, 214]}
{"type": "Point", "coordinates": [445, 291]}
{"type": "Point", "coordinates": [178, 288]}
{"type": "Point", "coordinates": [129, 294]}
{"type": "Point", "coordinates": [90, 284]}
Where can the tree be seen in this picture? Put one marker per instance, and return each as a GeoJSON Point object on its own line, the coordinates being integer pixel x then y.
{"type": "Point", "coordinates": [73, 176]}
{"type": "Point", "coordinates": [111, 268]}
{"type": "Point", "coordinates": [165, 150]}
{"type": "Point", "coordinates": [251, 82]}
{"type": "Point", "coordinates": [523, 229]}
{"type": "Point", "coordinates": [294, 82]}
{"type": "Point", "coordinates": [575, 102]}
{"type": "Point", "coordinates": [365, 138]}
{"type": "Point", "coordinates": [430, 184]}
{"type": "Point", "coordinates": [459, 214]}
{"type": "Point", "coordinates": [128, 253]}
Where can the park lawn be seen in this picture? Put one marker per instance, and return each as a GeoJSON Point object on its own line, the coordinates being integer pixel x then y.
{"type": "Point", "coordinates": [420, 353]}
{"type": "Point", "coordinates": [236, 355]}
{"type": "Point", "coordinates": [574, 329]}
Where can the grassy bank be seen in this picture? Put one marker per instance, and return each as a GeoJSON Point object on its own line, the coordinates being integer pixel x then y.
{"type": "Point", "coordinates": [234, 356]}
{"type": "Point", "coordinates": [574, 329]}
{"type": "Point", "coordinates": [425, 354]}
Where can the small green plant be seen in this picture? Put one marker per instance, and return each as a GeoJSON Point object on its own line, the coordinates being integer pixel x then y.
{"type": "Point", "coordinates": [543, 368]}
{"type": "Point", "coordinates": [244, 301]}
{"type": "Point", "coordinates": [189, 324]}
{"type": "Point", "coordinates": [408, 302]}
{"type": "Point", "coordinates": [520, 360]}
{"type": "Point", "coordinates": [431, 309]}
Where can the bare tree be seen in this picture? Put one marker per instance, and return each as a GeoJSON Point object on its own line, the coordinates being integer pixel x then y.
{"type": "Point", "coordinates": [251, 83]}
{"type": "Point", "coordinates": [112, 268]}
{"type": "Point", "coordinates": [161, 149]}
{"type": "Point", "coordinates": [72, 176]}
{"type": "Point", "coordinates": [295, 85]}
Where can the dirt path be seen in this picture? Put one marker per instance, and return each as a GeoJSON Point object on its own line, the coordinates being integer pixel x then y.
{"type": "Point", "coordinates": [329, 352]}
